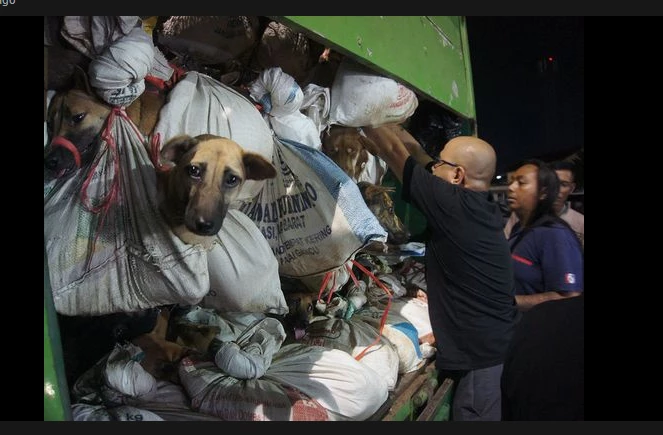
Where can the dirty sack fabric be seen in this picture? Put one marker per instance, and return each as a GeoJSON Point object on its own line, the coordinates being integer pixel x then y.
{"type": "Point", "coordinates": [282, 98]}
{"type": "Point", "coordinates": [348, 389]}
{"type": "Point", "coordinates": [116, 379]}
{"type": "Point", "coordinates": [416, 312]}
{"type": "Point", "coordinates": [200, 104]}
{"type": "Point", "coordinates": [116, 388]}
{"type": "Point", "coordinates": [122, 54]}
{"type": "Point", "coordinates": [92, 34]}
{"type": "Point", "coordinates": [360, 98]}
{"type": "Point", "coordinates": [171, 403]}
{"type": "Point", "coordinates": [108, 248]}
{"type": "Point", "coordinates": [312, 213]}
{"type": "Point", "coordinates": [315, 105]}
{"type": "Point", "coordinates": [303, 383]}
{"type": "Point", "coordinates": [87, 412]}
{"type": "Point", "coordinates": [211, 40]}
{"type": "Point", "coordinates": [215, 392]}
{"type": "Point", "coordinates": [401, 334]}
{"type": "Point", "coordinates": [353, 337]}
{"type": "Point", "coordinates": [250, 355]}
{"type": "Point", "coordinates": [243, 271]}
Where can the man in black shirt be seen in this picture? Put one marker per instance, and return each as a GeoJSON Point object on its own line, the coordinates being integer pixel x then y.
{"type": "Point", "coordinates": [469, 272]}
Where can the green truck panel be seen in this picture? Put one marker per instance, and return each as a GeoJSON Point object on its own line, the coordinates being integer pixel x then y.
{"type": "Point", "coordinates": [428, 54]}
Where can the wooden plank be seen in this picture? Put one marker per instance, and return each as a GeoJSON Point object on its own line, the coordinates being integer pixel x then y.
{"type": "Point", "coordinates": [439, 406]}
{"type": "Point", "coordinates": [403, 397]}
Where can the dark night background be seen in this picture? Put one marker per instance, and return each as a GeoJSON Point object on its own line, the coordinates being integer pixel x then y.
{"type": "Point", "coordinates": [526, 104]}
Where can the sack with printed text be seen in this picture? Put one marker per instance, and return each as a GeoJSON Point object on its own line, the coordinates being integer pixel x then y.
{"type": "Point", "coordinates": [312, 213]}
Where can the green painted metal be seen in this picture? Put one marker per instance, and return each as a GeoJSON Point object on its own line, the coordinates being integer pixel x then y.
{"type": "Point", "coordinates": [56, 393]}
{"type": "Point", "coordinates": [429, 54]}
{"type": "Point", "coordinates": [405, 412]}
{"type": "Point", "coordinates": [444, 413]}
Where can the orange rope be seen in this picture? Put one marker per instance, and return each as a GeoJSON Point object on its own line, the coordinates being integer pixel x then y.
{"type": "Point", "coordinates": [383, 320]}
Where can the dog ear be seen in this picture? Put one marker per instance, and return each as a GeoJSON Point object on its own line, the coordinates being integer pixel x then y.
{"type": "Point", "coordinates": [257, 167]}
{"type": "Point", "coordinates": [176, 147]}
{"type": "Point", "coordinates": [81, 80]}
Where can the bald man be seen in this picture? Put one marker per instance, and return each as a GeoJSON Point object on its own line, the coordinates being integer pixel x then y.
{"type": "Point", "coordinates": [469, 273]}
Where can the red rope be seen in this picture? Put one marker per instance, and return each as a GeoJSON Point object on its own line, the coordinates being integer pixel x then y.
{"type": "Point", "coordinates": [383, 320]}
{"type": "Point", "coordinates": [352, 275]}
{"type": "Point", "coordinates": [61, 141]}
{"type": "Point", "coordinates": [324, 283]}
{"type": "Point", "coordinates": [155, 149]}
{"type": "Point", "coordinates": [104, 206]}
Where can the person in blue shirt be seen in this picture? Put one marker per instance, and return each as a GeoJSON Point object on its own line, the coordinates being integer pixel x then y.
{"type": "Point", "coordinates": [547, 256]}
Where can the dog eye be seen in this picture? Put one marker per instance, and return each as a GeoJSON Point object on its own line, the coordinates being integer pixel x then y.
{"type": "Point", "coordinates": [194, 171]}
{"type": "Point", "coordinates": [78, 118]}
{"type": "Point", "coordinates": [231, 180]}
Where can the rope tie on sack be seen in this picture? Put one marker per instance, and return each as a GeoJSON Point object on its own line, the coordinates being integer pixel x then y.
{"type": "Point", "coordinates": [104, 205]}
{"type": "Point", "coordinates": [325, 280]}
{"type": "Point", "coordinates": [383, 320]}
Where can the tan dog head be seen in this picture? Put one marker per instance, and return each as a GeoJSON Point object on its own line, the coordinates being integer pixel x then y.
{"type": "Point", "coordinates": [345, 146]}
{"type": "Point", "coordinates": [206, 176]}
{"type": "Point", "coordinates": [301, 309]}
{"type": "Point", "coordinates": [379, 201]}
{"type": "Point", "coordinates": [161, 356]}
{"type": "Point", "coordinates": [74, 122]}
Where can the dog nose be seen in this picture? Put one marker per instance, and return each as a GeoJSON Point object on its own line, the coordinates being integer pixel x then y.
{"type": "Point", "coordinates": [51, 163]}
{"type": "Point", "coordinates": [398, 238]}
{"type": "Point", "coordinates": [205, 227]}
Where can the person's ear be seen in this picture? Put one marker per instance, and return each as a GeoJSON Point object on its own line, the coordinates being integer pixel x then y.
{"type": "Point", "coordinates": [573, 187]}
{"type": "Point", "coordinates": [459, 175]}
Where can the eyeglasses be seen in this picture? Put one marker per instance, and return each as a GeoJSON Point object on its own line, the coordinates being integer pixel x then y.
{"type": "Point", "coordinates": [440, 162]}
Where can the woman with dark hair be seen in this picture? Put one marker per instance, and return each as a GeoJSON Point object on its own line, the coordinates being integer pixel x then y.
{"type": "Point", "coordinates": [547, 256]}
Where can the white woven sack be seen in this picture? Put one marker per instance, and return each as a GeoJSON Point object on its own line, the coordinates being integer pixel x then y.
{"type": "Point", "coordinates": [316, 105]}
{"type": "Point", "coordinates": [359, 98]}
{"type": "Point", "coordinates": [401, 333]}
{"type": "Point", "coordinates": [414, 311]}
{"type": "Point", "coordinates": [199, 104]}
{"type": "Point", "coordinates": [312, 214]}
{"type": "Point", "coordinates": [281, 98]}
{"type": "Point", "coordinates": [302, 383]}
{"type": "Point", "coordinates": [244, 274]}
{"type": "Point", "coordinates": [86, 412]}
{"type": "Point", "coordinates": [354, 336]}
{"type": "Point", "coordinates": [348, 389]}
{"type": "Point", "coordinates": [124, 257]}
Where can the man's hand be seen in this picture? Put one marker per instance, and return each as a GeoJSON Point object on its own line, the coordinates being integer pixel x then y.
{"type": "Point", "coordinates": [380, 139]}
{"type": "Point", "coordinates": [387, 137]}
{"type": "Point", "coordinates": [386, 144]}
